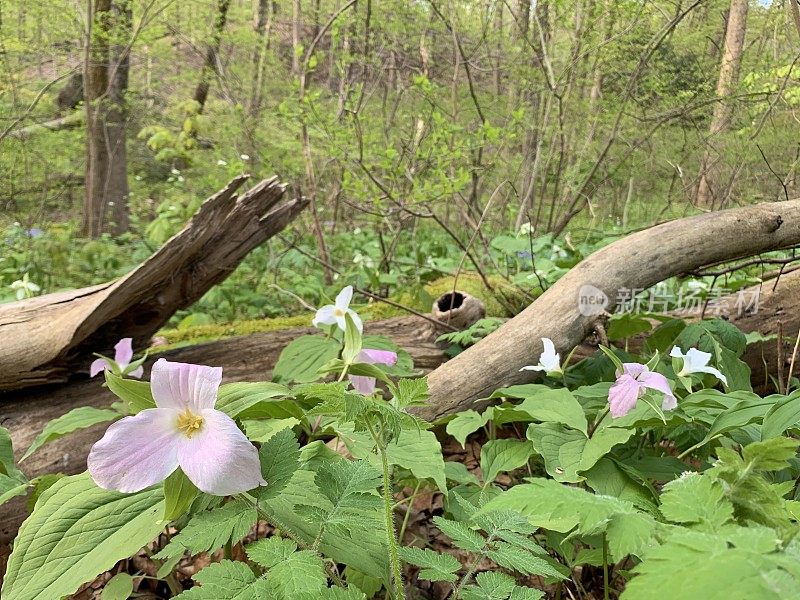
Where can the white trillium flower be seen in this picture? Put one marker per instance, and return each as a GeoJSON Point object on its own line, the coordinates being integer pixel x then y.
{"type": "Point", "coordinates": [696, 361]}
{"type": "Point", "coordinates": [549, 361]}
{"type": "Point", "coordinates": [333, 314]}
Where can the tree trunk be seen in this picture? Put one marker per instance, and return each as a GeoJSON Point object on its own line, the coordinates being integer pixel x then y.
{"type": "Point", "coordinates": [117, 192]}
{"type": "Point", "coordinates": [296, 49]}
{"type": "Point", "coordinates": [263, 29]}
{"type": "Point", "coordinates": [210, 65]}
{"type": "Point", "coordinates": [95, 88]}
{"type": "Point", "coordinates": [723, 109]}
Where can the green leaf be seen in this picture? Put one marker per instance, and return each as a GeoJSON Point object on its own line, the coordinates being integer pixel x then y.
{"type": "Point", "coordinates": [212, 529]}
{"type": "Point", "coordinates": [499, 456]}
{"type": "Point", "coordinates": [280, 459]}
{"type": "Point", "coordinates": [227, 580]}
{"type": "Point", "coordinates": [465, 423]}
{"type": "Point", "coordinates": [136, 395]}
{"type": "Point", "coordinates": [526, 593]}
{"type": "Point", "coordinates": [11, 488]}
{"type": "Point", "coordinates": [522, 561]}
{"type": "Point", "coordinates": [624, 325]}
{"type": "Point", "coordinates": [547, 406]}
{"type": "Point", "coordinates": [492, 585]}
{"type": "Point", "coordinates": [254, 400]}
{"type": "Point", "coordinates": [76, 532]}
{"type": "Point", "coordinates": [260, 430]}
{"type": "Point", "coordinates": [179, 493]}
{"type": "Point", "coordinates": [77, 418]}
{"type": "Point", "coordinates": [783, 415]}
{"type": "Point", "coordinates": [421, 453]}
{"type": "Point", "coordinates": [270, 551]}
{"type": "Point", "coordinates": [303, 357]}
{"type": "Point", "coordinates": [742, 413]}
{"type": "Point", "coordinates": [8, 465]}
{"type": "Point", "coordinates": [698, 500]}
{"type": "Point", "coordinates": [301, 572]}
{"type": "Point", "coordinates": [435, 566]}
{"type": "Point", "coordinates": [461, 534]}
{"type": "Point", "coordinates": [352, 340]}
{"type": "Point", "coordinates": [119, 587]}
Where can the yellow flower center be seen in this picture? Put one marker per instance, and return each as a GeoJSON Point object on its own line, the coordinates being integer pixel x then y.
{"type": "Point", "coordinates": [338, 312]}
{"type": "Point", "coordinates": [189, 423]}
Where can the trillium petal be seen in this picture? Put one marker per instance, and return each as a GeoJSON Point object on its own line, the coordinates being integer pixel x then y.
{"type": "Point", "coordinates": [695, 359]}
{"type": "Point", "coordinates": [363, 385]}
{"type": "Point", "coordinates": [98, 365]}
{"type": "Point", "coordinates": [356, 321]}
{"type": "Point", "coordinates": [533, 368]}
{"type": "Point", "coordinates": [676, 352]}
{"type": "Point", "coordinates": [123, 352]}
{"type": "Point", "coordinates": [219, 459]}
{"type": "Point", "coordinates": [136, 452]}
{"type": "Point", "coordinates": [622, 396]}
{"type": "Point", "coordinates": [382, 357]}
{"type": "Point", "coordinates": [325, 316]}
{"type": "Point", "coordinates": [182, 385]}
{"type": "Point", "coordinates": [137, 372]}
{"type": "Point", "coordinates": [656, 381]}
{"type": "Point", "coordinates": [343, 298]}
{"type": "Point", "coordinates": [634, 369]}
{"type": "Point", "coordinates": [550, 359]}
{"type": "Point", "coordinates": [715, 372]}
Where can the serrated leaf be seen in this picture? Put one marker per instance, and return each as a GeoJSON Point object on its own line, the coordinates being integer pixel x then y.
{"type": "Point", "coordinates": [696, 499]}
{"type": "Point", "coordinates": [492, 585]}
{"type": "Point", "coordinates": [461, 534]}
{"type": "Point", "coordinates": [500, 456]}
{"type": "Point", "coordinates": [465, 423]}
{"type": "Point", "coordinates": [280, 458]}
{"type": "Point", "coordinates": [300, 573]}
{"type": "Point", "coordinates": [77, 418]}
{"type": "Point", "coordinates": [434, 566]}
{"type": "Point", "coordinates": [522, 561]}
{"type": "Point", "coordinates": [421, 453]}
{"type": "Point", "coordinates": [526, 593]}
{"type": "Point", "coordinates": [411, 392]}
{"type": "Point", "coordinates": [212, 529]}
{"type": "Point", "coordinates": [271, 551]}
{"type": "Point", "coordinates": [76, 532]}
{"type": "Point", "coordinates": [227, 580]}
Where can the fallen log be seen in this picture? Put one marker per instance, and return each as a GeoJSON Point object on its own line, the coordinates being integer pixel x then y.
{"type": "Point", "coordinates": [637, 261]}
{"type": "Point", "coordinates": [43, 339]}
{"type": "Point", "coordinates": [70, 121]}
{"type": "Point", "coordinates": [25, 412]}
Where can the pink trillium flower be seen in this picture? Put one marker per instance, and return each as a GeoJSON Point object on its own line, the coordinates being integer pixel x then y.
{"type": "Point", "coordinates": [123, 353]}
{"type": "Point", "coordinates": [631, 385]}
{"type": "Point", "coordinates": [333, 314]}
{"type": "Point", "coordinates": [366, 385]}
{"type": "Point", "coordinates": [184, 430]}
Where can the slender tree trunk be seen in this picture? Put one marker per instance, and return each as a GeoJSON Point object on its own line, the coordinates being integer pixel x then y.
{"type": "Point", "coordinates": [117, 191]}
{"type": "Point", "coordinates": [723, 109]}
{"type": "Point", "coordinates": [498, 31]}
{"type": "Point", "coordinates": [210, 65]}
{"type": "Point", "coordinates": [95, 87]}
{"type": "Point", "coordinates": [263, 28]}
{"type": "Point", "coordinates": [296, 47]}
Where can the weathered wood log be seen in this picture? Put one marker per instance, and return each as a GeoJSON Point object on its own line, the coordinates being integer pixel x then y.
{"type": "Point", "coordinates": [42, 339]}
{"type": "Point", "coordinates": [25, 412]}
{"type": "Point", "coordinates": [638, 261]}
{"type": "Point", "coordinates": [71, 121]}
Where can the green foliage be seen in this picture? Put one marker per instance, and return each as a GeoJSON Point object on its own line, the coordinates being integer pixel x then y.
{"type": "Point", "coordinates": [77, 418]}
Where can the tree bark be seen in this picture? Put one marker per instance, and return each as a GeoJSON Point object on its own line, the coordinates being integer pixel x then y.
{"type": "Point", "coordinates": [95, 88]}
{"type": "Point", "coordinates": [223, 231]}
{"type": "Point", "coordinates": [210, 64]}
{"type": "Point", "coordinates": [263, 30]}
{"type": "Point", "coordinates": [723, 109]}
{"type": "Point", "coordinates": [116, 189]}
{"type": "Point", "coordinates": [635, 262]}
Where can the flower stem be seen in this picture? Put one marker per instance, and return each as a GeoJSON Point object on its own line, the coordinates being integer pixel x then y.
{"type": "Point", "coordinates": [605, 568]}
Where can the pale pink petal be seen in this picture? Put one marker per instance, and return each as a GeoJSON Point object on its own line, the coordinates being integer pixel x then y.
{"type": "Point", "coordinates": [182, 385]}
{"type": "Point", "coordinates": [356, 321]}
{"type": "Point", "coordinates": [363, 385]}
{"type": "Point", "coordinates": [343, 298]}
{"type": "Point", "coordinates": [622, 395]}
{"type": "Point", "coordinates": [123, 352]}
{"type": "Point", "coordinates": [634, 369]}
{"type": "Point", "coordinates": [325, 316]}
{"type": "Point", "coordinates": [137, 372]}
{"type": "Point", "coordinates": [656, 381]}
{"type": "Point", "coordinates": [98, 366]}
{"type": "Point", "coordinates": [136, 452]}
{"type": "Point", "coordinates": [383, 357]}
{"type": "Point", "coordinates": [219, 459]}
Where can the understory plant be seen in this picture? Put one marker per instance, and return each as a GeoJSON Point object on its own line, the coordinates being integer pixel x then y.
{"type": "Point", "coordinates": [630, 475]}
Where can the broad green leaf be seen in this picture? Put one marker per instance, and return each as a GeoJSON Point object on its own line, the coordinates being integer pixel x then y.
{"type": "Point", "coordinates": [301, 572]}
{"type": "Point", "coordinates": [492, 585]}
{"type": "Point", "coordinates": [136, 394]}
{"type": "Point", "coordinates": [467, 422]}
{"type": "Point", "coordinates": [783, 415]}
{"type": "Point", "coordinates": [303, 357]}
{"type": "Point", "coordinates": [456, 471]}
{"type": "Point", "coordinates": [435, 566]}
{"type": "Point", "coordinates": [548, 406]}
{"type": "Point", "coordinates": [77, 418]}
{"type": "Point", "coordinates": [76, 532]}
{"type": "Point", "coordinates": [212, 529]}
{"type": "Point", "coordinates": [260, 430]}
{"type": "Point", "coordinates": [500, 456]}
{"type": "Point", "coordinates": [420, 453]}
{"type": "Point", "coordinates": [352, 340]}
{"type": "Point", "coordinates": [280, 459]}
{"type": "Point", "coordinates": [119, 587]}
{"type": "Point", "coordinates": [624, 325]}
{"type": "Point", "coordinates": [609, 479]}
{"type": "Point", "coordinates": [741, 414]}
{"type": "Point", "coordinates": [253, 400]}
{"type": "Point", "coordinates": [179, 493]}
{"type": "Point", "coordinates": [270, 551]}
{"type": "Point", "coordinates": [11, 488]}
{"type": "Point", "coordinates": [8, 465]}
